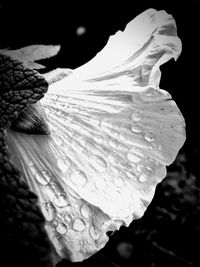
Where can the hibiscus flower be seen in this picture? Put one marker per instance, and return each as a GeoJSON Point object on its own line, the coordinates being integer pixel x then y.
{"type": "Point", "coordinates": [97, 143]}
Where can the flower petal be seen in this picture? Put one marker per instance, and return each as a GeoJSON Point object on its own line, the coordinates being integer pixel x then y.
{"type": "Point", "coordinates": [113, 131]}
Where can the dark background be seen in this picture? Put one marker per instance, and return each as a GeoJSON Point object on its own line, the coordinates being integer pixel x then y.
{"type": "Point", "coordinates": [166, 235]}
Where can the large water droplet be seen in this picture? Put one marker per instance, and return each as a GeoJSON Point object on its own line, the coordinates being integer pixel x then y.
{"type": "Point", "coordinates": [79, 178]}
{"type": "Point", "coordinates": [48, 211]}
{"type": "Point", "coordinates": [136, 116]}
{"type": "Point", "coordinates": [98, 163]}
{"type": "Point", "coordinates": [61, 228]}
{"type": "Point", "coordinates": [85, 211]}
{"type": "Point", "coordinates": [78, 225]}
{"type": "Point", "coordinates": [132, 157]}
{"type": "Point", "coordinates": [60, 201]}
{"type": "Point", "coordinates": [43, 178]}
{"type": "Point", "coordinates": [94, 233]}
{"type": "Point", "coordinates": [135, 129]}
{"type": "Point", "coordinates": [149, 137]}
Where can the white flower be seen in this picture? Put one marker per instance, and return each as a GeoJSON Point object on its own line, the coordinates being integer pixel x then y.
{"type": "Point", "coordinates": [112, 131]}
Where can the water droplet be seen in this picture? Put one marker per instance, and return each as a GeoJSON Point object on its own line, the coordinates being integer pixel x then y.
{"type": "Point", "coordinates": [98, 139]}
{"type": "Point", "coordinates": [31, 163]}
{"type": "Point", "coordinates": [135, 129]}
{"type": "Point", "coordinates": [98, 163]}
{"type": "Point", "coordinates": [79, 178]}
{"type": "Point", "coordinates": [149, 137]}
{"type": "Point", "coordinates": [122, 137]}
{"type": "Point", "coordinates": [94, 233]}
{"type": "Point", "coordinates": [143, 178]}
{"type": "Point", "coordinates": [58, 113]}
{"type": "Point", "coordinates": [43, 178]}
{"type": "Point", "coordinates": [133, 157]}
{"type": "Point", "coordinates": [78, 225]}
{"type": "Point", "coordinates": [122, 147]}
{"type": "Point", "coordinates": [159, 147]}
{"type": "Point", "coordinates": [139, 167]}
{"type": "Point", "coordinates": [63, 165]}
{"type": "Point", "coordinates": [113, 143]}
{"type": "Point", "coordinates": [47, 111]}
{"type": "Point", "coordinates": [48, 211]}
{"type": "Point", "coordinates": [60, 201]}
{"type": "Point", "coordinates": [61, 228]}
{"type": "Point", "coordinates": [85, 211]}
{"type": "Point", "coordinates": [136, 116]}
{"type": "Point", "coordinates": [131, 175]}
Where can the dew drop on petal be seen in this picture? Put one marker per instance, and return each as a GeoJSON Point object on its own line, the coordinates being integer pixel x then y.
{"type": "Point", "coordinates": [132, 157]}
{"type": "Point", "coordinates": [135, 129]}
{"type": "Point", "coordinates": [48, 211]}
{"type": "Point", "coordinates": [60, 201]}
{"type": "Point", "coordinates": [94, 233]}
{"type": "Point", "coordinates": [143, 178]}
{"type": "Point", "coordinates": [98, 139]}
{"type": "Point", "coordinates": [85, 211]}
{"type": "Point", "coordinates": [78, 225]}
{"type": "Point", "coordinates": [43, 177]}
{"type": "Point", "coordinates": [136, 116]}
{"type": "Point", "coordinates": [139, 168]}
{"type": "Point", "coordinates": [131, 175]}
{"type": "Point", "coordinates": [149, 137]}
{"type": "Point", "coordinates": [79, 178]}
{"type": "Point", "coordinates": [122, 147]}
{"type": "Point", "coordinates": [159, 147]}
{"type": "Point", "coordinates": [61, 228]}
{"type": "Point", "coordinates": [63, 165]}
{"type": "Point", "coordinates": [122, 137]}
